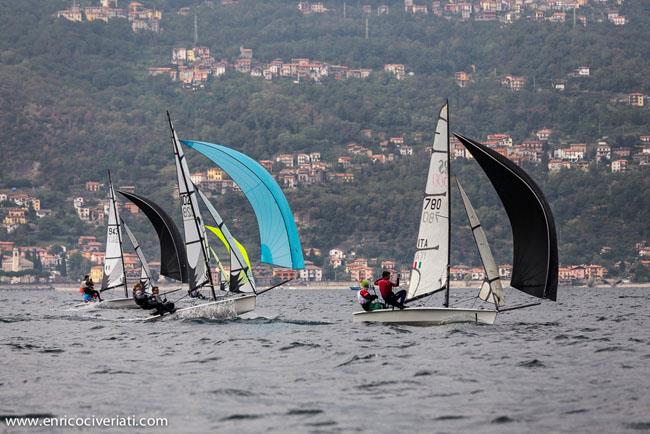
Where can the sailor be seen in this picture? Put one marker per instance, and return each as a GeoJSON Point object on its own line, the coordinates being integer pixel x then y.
{"type": "Point", "coordinates": [366, 299]}
{"type": "Point", "coordinates": [141, 298]}
{"type": "Point", "coordinates": [386, 290]}
{"type": "Point", "coordinates": [88, 290]}
{"type": "Point", "coordinates": [161, 305]}
{"type": "Point", "coordinates": [196, 293]}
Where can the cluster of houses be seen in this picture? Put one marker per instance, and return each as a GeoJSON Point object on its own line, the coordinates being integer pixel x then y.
{"type": "Point", "coordinates": [27, 264]}
{"type": "Point", "coordinates": [643, 253]}
{"type": "Point", "coordinates": [515, 83]}
{"type": "Point", "coordinates": [509, 11]}
{"type": "Point", "coordinates": [15, 207]}
{"type": "Point", "coordinates": [572, 156]}
{"type": "Point", "coordinates": [577, 274]}
{"type": "Point", "coordinates": [140, 17]}
{"type": "Point", "coordinates": [357, 268]}
{"type": "Point", "coordinates": [93, 209]}
{"type": "Point", "coordinates": [193, 67]}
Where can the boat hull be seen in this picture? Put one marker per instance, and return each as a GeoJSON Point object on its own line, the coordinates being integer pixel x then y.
{"type": "Point", "coordinates": [118, 303]}
{"type": "Point", "coordinates": [221, 308]}
{"type": "Point", "coordinates": [427, 316]}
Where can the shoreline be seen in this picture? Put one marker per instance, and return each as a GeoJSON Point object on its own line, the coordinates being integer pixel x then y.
{"type": "Point", "coordinates": [73, 287]}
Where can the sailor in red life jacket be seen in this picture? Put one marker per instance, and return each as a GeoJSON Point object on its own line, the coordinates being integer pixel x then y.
{"type": "Point", "coordinates": [386, 290]}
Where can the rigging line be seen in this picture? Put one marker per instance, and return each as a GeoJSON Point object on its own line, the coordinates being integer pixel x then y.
{"type": "Point", "coordinates": [464, 300]}
{"type": "Point", "coordinates": [172, 291]}
{"type": "Point", "coordinates": [176, 301]}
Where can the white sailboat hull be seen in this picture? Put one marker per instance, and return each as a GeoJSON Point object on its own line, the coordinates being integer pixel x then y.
{"type": "Point", "coordinates": [118, 303]}
{"type": "Point", "coordinates": [225, 307]}
{"type": "Point", "coordinates": [427, 316]}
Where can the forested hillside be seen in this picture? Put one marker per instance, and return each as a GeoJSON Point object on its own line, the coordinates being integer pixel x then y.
{"type": "Point", "coordinates": [76, 100]}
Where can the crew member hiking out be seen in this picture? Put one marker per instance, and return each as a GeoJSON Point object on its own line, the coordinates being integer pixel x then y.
{"type": "Point", "coordinates": [161, 305]}
{"type": "Point", "coordinates": [386, 290]}
{"type": "Point", "coordinates": [88, 290]}
{"type": "Point", "coordinates": [141, 298]}
{"type": "Point", "coordinates": [152, 301]}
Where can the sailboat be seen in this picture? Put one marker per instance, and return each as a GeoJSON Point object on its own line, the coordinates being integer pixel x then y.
{"type": "Point", "coordinates": [242, 298]}
{"type": "Point", "coordinates": [114, 270]}
{"type": "Point", "coordinates": [535, 260]}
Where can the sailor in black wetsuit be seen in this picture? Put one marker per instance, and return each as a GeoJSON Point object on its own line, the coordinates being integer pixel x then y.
{"type": "Point", "coordinates": [196, 293]}
{"type": "Point", "coordinates": [141, 298]}
{"type": "Point", "coordinates": [161, 305]}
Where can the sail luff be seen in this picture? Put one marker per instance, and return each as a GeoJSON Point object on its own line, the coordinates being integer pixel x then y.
{"type": "Point", "coordinates": [195, 239]}
{"type": "Point", "coordinates": [232, 244]}
{"type": "Point", "coordinates": [431, 260]}
{"type": "Point", "coordinates": [493, 291]}
{"type": "Point", "coordinates": [447, 289]}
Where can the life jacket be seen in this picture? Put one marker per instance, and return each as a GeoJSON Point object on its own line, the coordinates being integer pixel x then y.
{"type": "Point", "coordinates": [363, 296]}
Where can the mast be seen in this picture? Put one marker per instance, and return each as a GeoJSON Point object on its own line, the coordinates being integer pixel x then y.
{"type": "Point", "coordinates": [446, 304]}
{"type": "Point", "coordinates": [189, 206]}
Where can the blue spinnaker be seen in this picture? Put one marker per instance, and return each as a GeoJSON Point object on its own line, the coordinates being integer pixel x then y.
{"type": "Point", "coordinates": [280, 243]}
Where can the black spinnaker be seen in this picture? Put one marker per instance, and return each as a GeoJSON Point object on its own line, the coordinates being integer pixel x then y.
{"type": "Point", "coordinates": [535, 257]}
{"type": "Point", "coordinates": [173, 259]}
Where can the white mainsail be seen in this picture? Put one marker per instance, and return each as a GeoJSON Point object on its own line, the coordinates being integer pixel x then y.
{"type": "Point", "coordinates": [145, 272]}
{"type": "Point", "coordinates": [430, 263]}
{"type": "Point", "coordinates": [195, 240]}
{"type": "Point", "coordinates": [114, 259]}
{"type": "Point", "coordinates": [491, 290]}
{"type": "Point", "coordinates": [238, 263]}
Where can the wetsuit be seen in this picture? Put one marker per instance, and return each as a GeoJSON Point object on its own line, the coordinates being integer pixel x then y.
{"type": "Point", "coordinates": [143, 300]}
{"type": "Point", "coordinates": [90, 292]}
{"type": "Point", "coordinates": [386, 290]}
{"type": "Point", "coordinates": [196, 293]}
{"type": "Point", "coordinates": [161, 306]}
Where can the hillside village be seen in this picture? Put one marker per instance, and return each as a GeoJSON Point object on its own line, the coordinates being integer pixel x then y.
{"type": "Point", "coordinates": [23, 264]}
{"type": "Point", "coordinates": [503, 11]}
{"type": "Point", "coordinates": [140, 17]}
{"type": "Point", "coordinates": [193, 67]}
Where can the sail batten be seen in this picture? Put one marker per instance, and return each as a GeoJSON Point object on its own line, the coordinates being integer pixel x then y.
{"type": "Point", "coordinates": [429, 271]}
{"type": "Point", "coordinates": [535, 257]}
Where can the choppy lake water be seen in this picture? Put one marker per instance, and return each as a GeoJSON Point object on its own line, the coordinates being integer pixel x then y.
{"type": "Point", "coordinates": [299, 364]}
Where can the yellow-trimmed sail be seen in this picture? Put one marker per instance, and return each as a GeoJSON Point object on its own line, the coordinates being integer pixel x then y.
{"type": "Point", "coordinates": [217, 232]}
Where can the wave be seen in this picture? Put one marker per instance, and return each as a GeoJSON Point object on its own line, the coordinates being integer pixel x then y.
{"type": "Point", "coordinates": [356, 359]}
{"type": "Point", "coordinates": [293, 345]}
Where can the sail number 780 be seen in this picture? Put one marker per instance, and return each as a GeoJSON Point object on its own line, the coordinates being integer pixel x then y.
{"type": "Point", "coordinates": [432, 203]}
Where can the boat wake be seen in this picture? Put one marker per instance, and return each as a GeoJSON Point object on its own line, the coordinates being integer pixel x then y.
{"type": "Point", "coordinates": [212, 311]}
